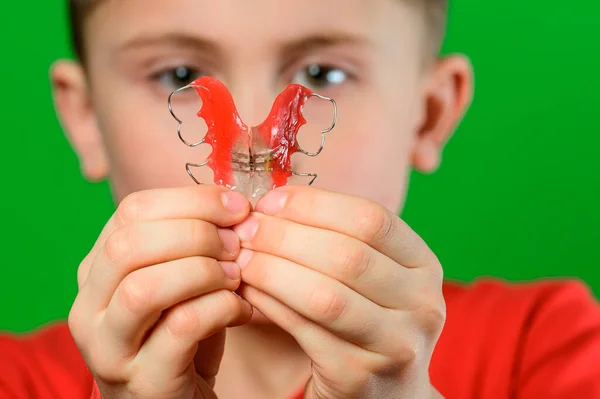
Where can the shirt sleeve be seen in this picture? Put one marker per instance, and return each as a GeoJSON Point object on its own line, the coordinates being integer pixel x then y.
{"type": "Point", "coordinates": [560, 356]}
{"type": "Point", "coordinates": [43, 365]}
{"type": "Point", "coordinates": [96, 392]}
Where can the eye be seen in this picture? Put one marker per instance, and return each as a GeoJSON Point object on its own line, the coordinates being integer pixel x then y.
{"type": "Point", "coordinates": [176, 78]}
{"type": "Point", "coordinates": [317, 76]}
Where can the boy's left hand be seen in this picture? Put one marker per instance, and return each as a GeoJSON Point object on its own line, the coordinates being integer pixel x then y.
{"type": "Point", "coordinates": [353, 284]}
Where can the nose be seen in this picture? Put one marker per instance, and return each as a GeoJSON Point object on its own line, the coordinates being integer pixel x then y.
{"type": "Point", "coordinates": [253, 100]}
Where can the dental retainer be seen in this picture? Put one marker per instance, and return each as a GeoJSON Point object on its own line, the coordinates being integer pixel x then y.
{"type": "Point", "coordinates": [250, 160]}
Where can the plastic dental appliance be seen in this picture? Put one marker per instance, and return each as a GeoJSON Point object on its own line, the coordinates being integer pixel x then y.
{"type": "Point", "coordinates": [251, 160]}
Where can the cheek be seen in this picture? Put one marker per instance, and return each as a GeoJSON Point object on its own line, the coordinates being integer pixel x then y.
{"type": "Point", "coordinates": [367, 155]}
{"type": "Point", "coordinates": [142, 144]}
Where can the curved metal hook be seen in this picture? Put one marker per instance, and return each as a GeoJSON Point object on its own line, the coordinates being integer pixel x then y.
{"type": "Point", "coordinates": [179, 121]}
{"type": "Point", "coordinates": [188, 165]}
{"type": "Point", "coordinates": [335, 111]}
{"type": "Point", "coordinates": [313, 175]}
{"type": "Point", "coordinates": [195, 165]}
{"type": "Point", "coordinates": [325, 131]}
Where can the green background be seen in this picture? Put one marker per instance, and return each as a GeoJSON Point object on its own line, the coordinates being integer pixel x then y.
{"type": "Point", "coordinates": [517, 195]}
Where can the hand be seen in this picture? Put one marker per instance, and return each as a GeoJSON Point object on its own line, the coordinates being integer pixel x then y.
{"type": "Point", "coordinates": [156, 293]}
{"type": "Point", "coordinates": [354, 285]}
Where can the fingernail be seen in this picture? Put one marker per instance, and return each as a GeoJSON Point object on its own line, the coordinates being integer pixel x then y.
{"type": "Point", "coordinates": [230, 241]}
{"type": "Point", "coordinates": [232, 270]}
{"type": "Point", "coordinates": [244, 258]}
{"type": "Point", "coordinates": [272, 203]}
{"type": "Point", "coordinates": [247, 229]}
{"type": "Point", "coordinates": [234, 201]}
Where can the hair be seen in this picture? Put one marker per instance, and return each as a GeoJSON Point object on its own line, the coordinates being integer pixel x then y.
{"type": "Point", "coordinates": [79, 10]}
{"type": "Point", "coordinates": [434, 11]}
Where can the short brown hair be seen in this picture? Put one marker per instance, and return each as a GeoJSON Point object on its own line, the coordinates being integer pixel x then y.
{"type": "Point", "coordinates": [79, 10]}
{"type": "Point", "coordinates": [435, 12]}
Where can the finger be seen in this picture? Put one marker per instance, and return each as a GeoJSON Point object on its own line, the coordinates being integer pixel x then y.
{"type": "Point", "coordinates": [354, 216]}
{"type": "Point", "coordinates": [143, 295]}
{"type": "Point", "coordinates": [315, 296]}
{"type": "Point", "coordinates": [213, 204]}
{"type": "Point", "coordinates": [330, 355]}
{"type": "Point", "coordinates": [208, 357]}
{"type": "Point", "coordinates": [344, 258]}
{"type": "Point", "coordinates": [173, 344]}
{"type": "Point", "coordinates": [147, 243]}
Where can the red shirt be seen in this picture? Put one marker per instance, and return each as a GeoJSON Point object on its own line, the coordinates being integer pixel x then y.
{"type": "Point", "coordinates": [538, 340]}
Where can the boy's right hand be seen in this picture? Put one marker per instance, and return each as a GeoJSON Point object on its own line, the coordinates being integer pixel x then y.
{"type": "Point", "coordinates": [156, 293]}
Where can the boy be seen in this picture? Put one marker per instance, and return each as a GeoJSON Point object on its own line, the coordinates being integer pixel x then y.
{"type": "Point", "coordinates": [329, 286]}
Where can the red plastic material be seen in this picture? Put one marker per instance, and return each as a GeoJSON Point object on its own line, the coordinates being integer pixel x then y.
{"type": "Point", "coordinates": [242, 154]}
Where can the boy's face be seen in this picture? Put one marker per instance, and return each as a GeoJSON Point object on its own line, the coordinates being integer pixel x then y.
{"type": "Point", "coordinates": [395, 108]}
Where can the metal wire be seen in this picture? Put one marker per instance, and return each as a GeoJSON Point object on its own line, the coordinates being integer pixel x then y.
{"type": "Point", "coordinates": [325, 131]}
{"type": "Point", "coordinates": [190, 165]}
{"type": "Point", "coordinates": [179, 121]}
{"type": "Point", "coordinates": [313, 175]}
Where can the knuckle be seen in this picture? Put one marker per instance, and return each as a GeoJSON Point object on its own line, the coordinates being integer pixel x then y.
{"type": "Point", "coordinates": [433, 317]}
{"type": "Point", "coordinates": [430, 313]}
{"type": "Point", "coordinates": [98, 358]}
{"type": "Point", "coordinates": [375, 223]}
{"type": "Point", "coordinates": [135, 294]}
{"type": "Point", "coordinates": [280, 238]}
{"type": "Point", "coordinates": [76, 324]}
{"type": "Point", "coordinates": [142, 385]}
{"type": "Point", "coordinates": [437, 271]}
{"type": "Point", "coordinates": [187, 321]}
{"type": "Point", "coordinates": [351, 260]}
{"type": "Point", "coordinates": [403, 352]}
{"type": "Point", "coordinates": [119, 246]}
{"type": "Point", "coordinates": [327, 304]}
{"type": "Point", "coordinates": [354, 371]}
{"type": "Point", "coordinates": [366, 377]}
{"type": "Point", "coordinates": [103, 367]}
{"type": "Point", "coordinates": [183, 321]}
{"type": "Point", "coordinates": [302, 198]}
{"type": "Point", "coordinates": [204, 195]}
{"type": "Point", "coordinates": [84, 268]}
{"type": "Point", "coordinates": [198, 231]}
{"type": "Point", "coordinates": [206, 269]}
{"type": "Point", "coordinates": [230, 302]}
{"type": "Point", "coordinates": [129, 208]}
{"type": "Point", "coordinates": [261, 271]}
{"type": "Point", "coordinates": [278, 235]}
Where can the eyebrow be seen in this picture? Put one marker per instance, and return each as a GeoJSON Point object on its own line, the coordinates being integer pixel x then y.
{"type": "Point", "coordinates": [315, 42]}
{"type": "Point", "coordinates": [289, 49]}
{"type": "Point", "coordinates": [172, 39]}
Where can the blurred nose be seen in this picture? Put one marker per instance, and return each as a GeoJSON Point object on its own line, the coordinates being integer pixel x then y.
{"type": "Point", "coordinates": [253, 99]}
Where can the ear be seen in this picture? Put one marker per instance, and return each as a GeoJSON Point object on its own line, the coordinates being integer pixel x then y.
{"type": "Point", "coordinates": [74, 108]}
{"type": "Point", "coordinates": [448, 94]}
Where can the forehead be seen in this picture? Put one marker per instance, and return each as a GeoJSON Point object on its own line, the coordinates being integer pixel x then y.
{"type": "Point", "coordinates": [246, 23]}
